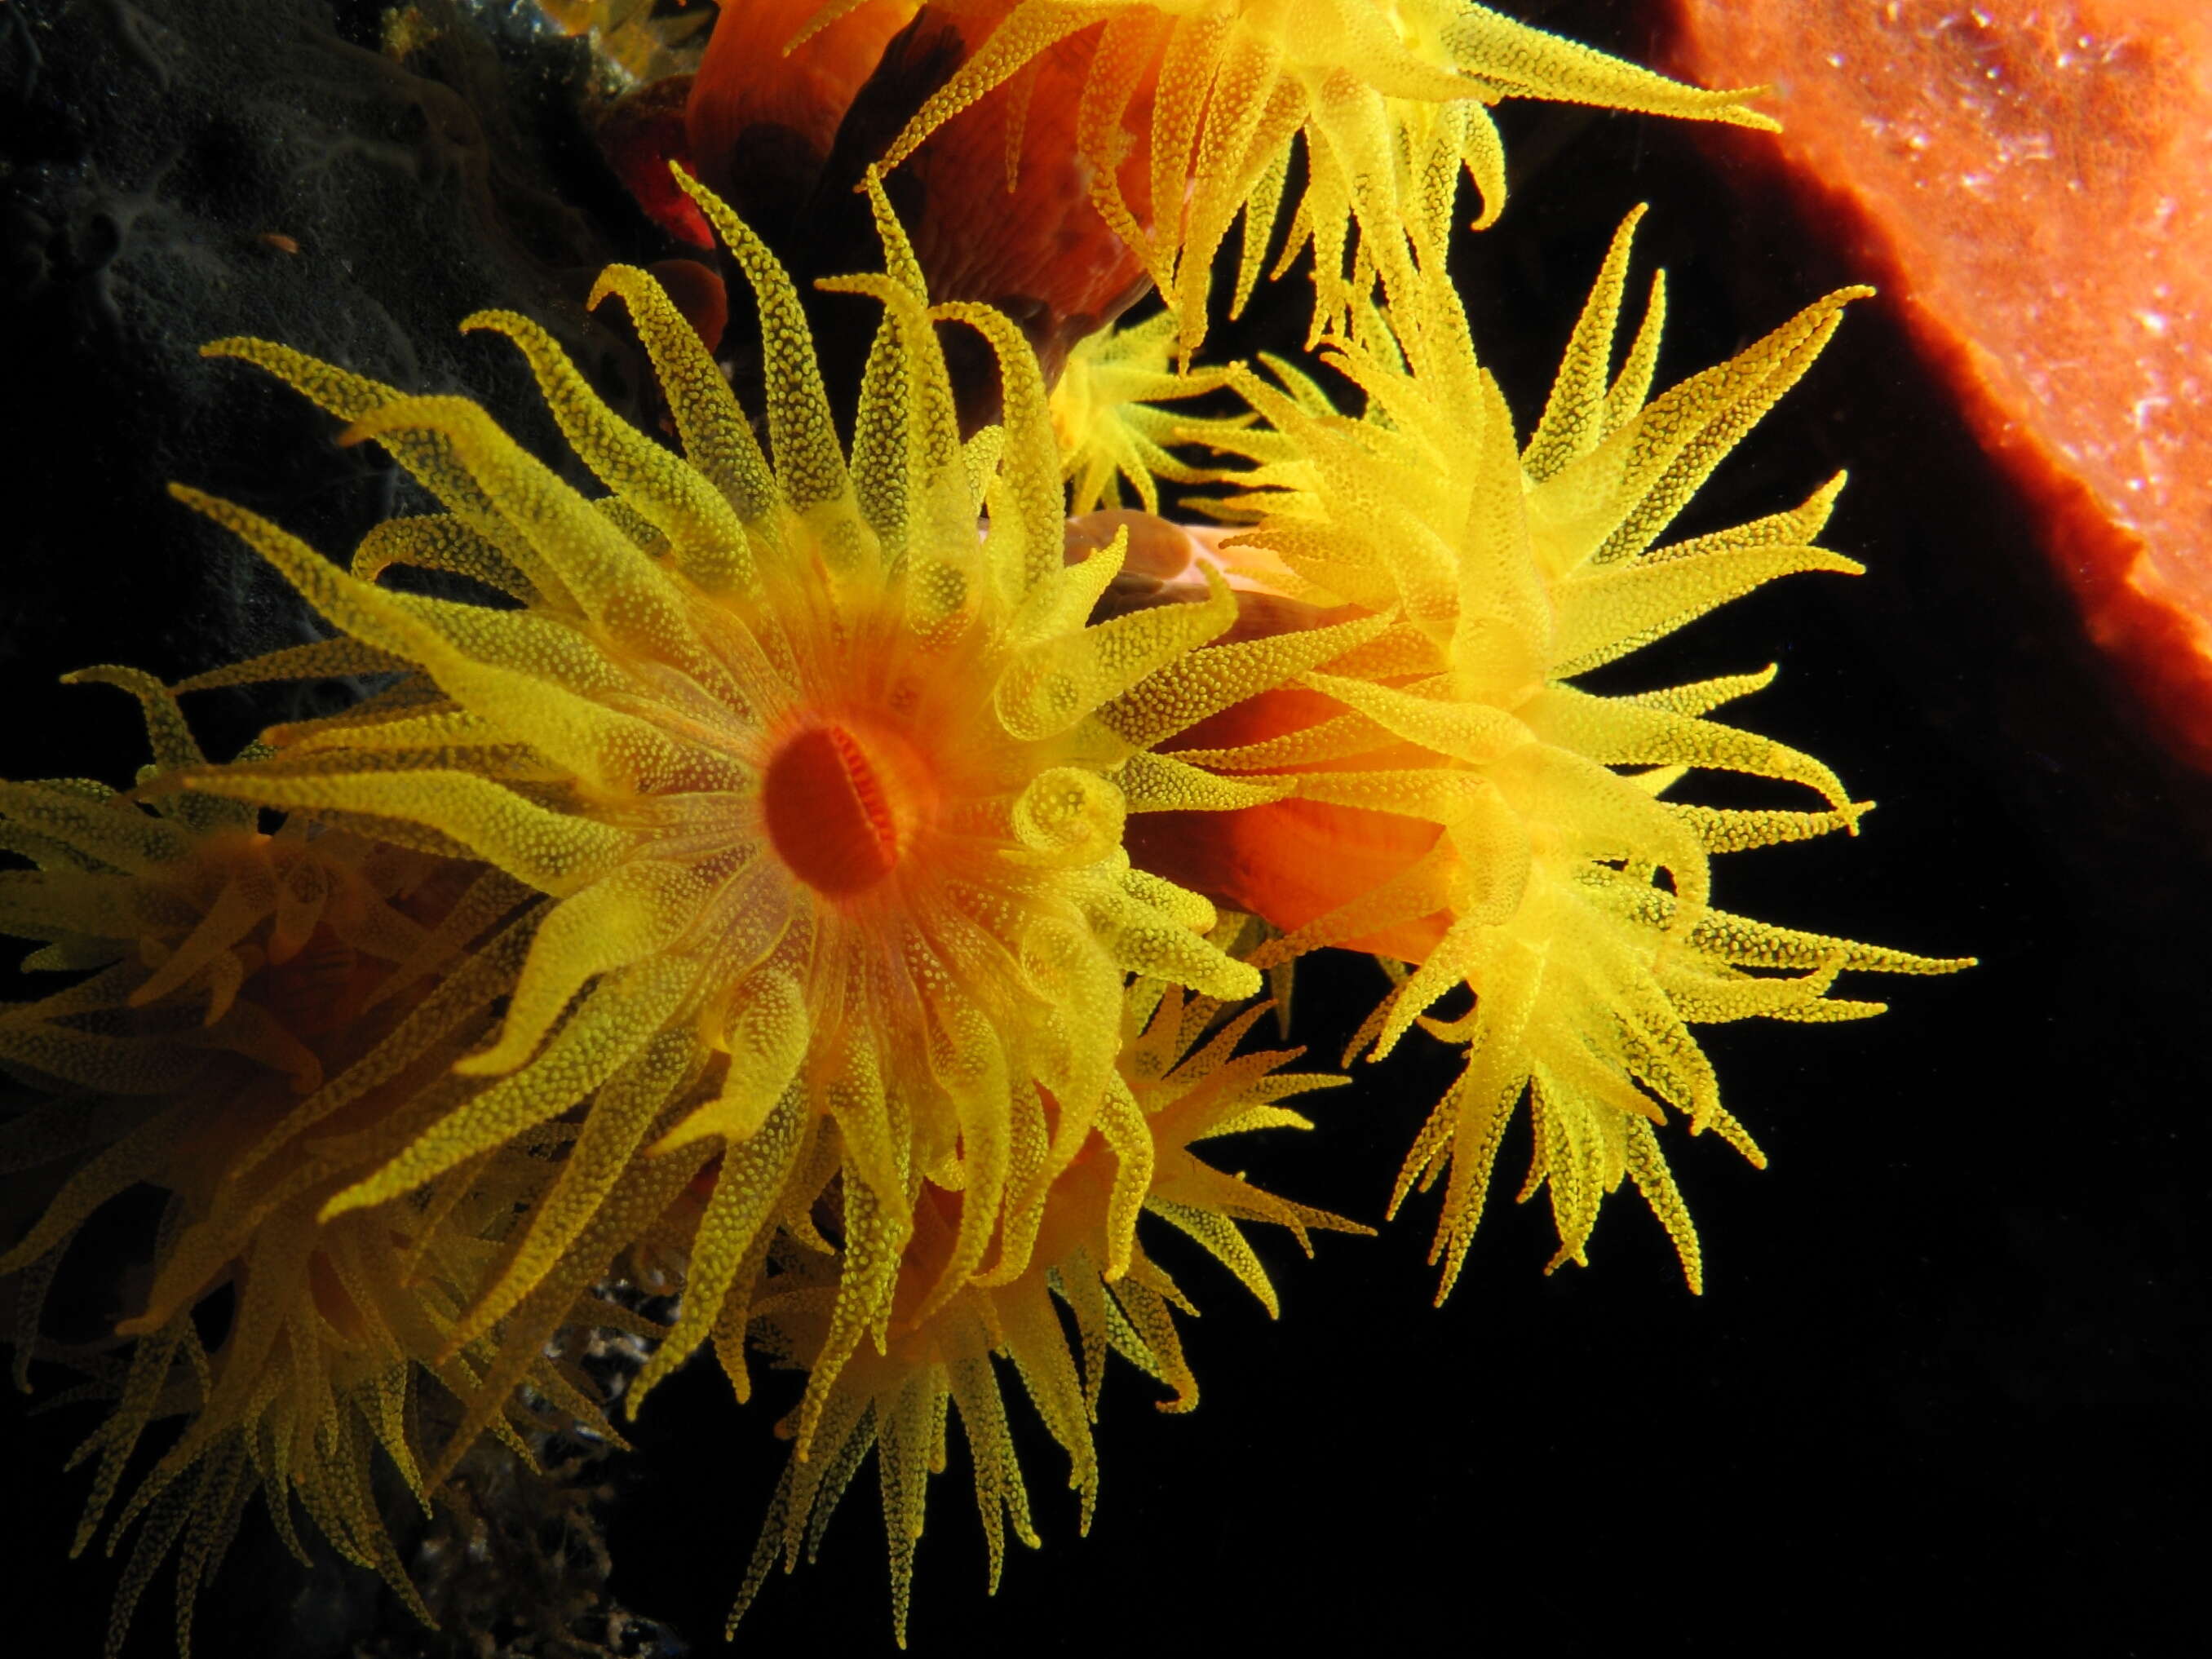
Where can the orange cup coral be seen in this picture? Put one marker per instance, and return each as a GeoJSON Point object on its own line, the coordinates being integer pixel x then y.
{"type": "Point", "coordinates": [1479, 825]}
{"type": "Point", "coordinates": [1179, 1063]}
{"type": "Point", "coordinates": [826, 789]}
{"type": "Point", "coordinates": [245, 988]}
{"type": "Point", "coordinates": [775, 886]}
{"type": "Point", "coordinates": [1388, 97]}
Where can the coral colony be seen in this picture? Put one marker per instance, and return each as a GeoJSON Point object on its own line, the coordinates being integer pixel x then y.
{"type": "Point", "coordinates": [817, 871]}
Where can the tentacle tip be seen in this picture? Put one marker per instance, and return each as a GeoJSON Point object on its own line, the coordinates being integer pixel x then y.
{"type": "Point", "coordinates": [495, 1062]}
{"type": "Point", "coordinates": [527, 333]}
{"type": "Point", "coordinates": [340, 1204]}
{"type": "Point", "coordinates": [674, 1140]}
{"type": "Point", "coordinates": [1449, 1280]}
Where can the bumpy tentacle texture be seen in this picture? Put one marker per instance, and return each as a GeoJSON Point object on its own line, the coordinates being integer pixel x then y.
{"type": "Point", "coordinates": [1388, 95]}
{"type": "Point", "coordinates": [241, 985]}
{"type": "Point", "coordinates": [1523, 861]}
{"type": "Point", "coordinates": [825, 787]}
{"type": "Point", "coordinates": [1180, 1081]}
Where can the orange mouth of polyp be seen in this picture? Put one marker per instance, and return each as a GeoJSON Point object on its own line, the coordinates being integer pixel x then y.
{"type": "Point", "coordinates": [842, 802]}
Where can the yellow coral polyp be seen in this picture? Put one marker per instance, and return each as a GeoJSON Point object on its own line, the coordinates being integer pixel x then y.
{"type": "Point", "coordinates": [238, 983]}
{"type": "Point", "coordinates": [1182, 1082]}
{"type": "Point", "coordinates": [727, 648]}
{"type": "Point", "coordinates": [1574, 900]}
{"type": "Point", "coordinates": [1388, 96]}
{"type": "Point", "coordinates": [1105, 415]}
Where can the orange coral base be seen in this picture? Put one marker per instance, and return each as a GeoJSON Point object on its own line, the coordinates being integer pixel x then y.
{"type": "Point", "coordinates": [1294, 860]}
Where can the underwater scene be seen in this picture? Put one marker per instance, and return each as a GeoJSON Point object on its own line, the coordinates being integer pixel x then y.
{"type": "Point", "coordinates": [1105, 826]}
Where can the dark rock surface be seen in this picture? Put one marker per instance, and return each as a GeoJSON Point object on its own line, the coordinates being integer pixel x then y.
{"type": "Point", "coordinates": [179, 170]}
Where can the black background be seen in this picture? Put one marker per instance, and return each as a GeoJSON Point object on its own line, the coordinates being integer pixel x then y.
{"type": "Point", "coordinates": [1948, 1376]}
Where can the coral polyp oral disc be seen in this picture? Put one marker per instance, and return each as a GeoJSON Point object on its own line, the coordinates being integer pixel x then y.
{"type": "Point", "coordinates": [838, 807]}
